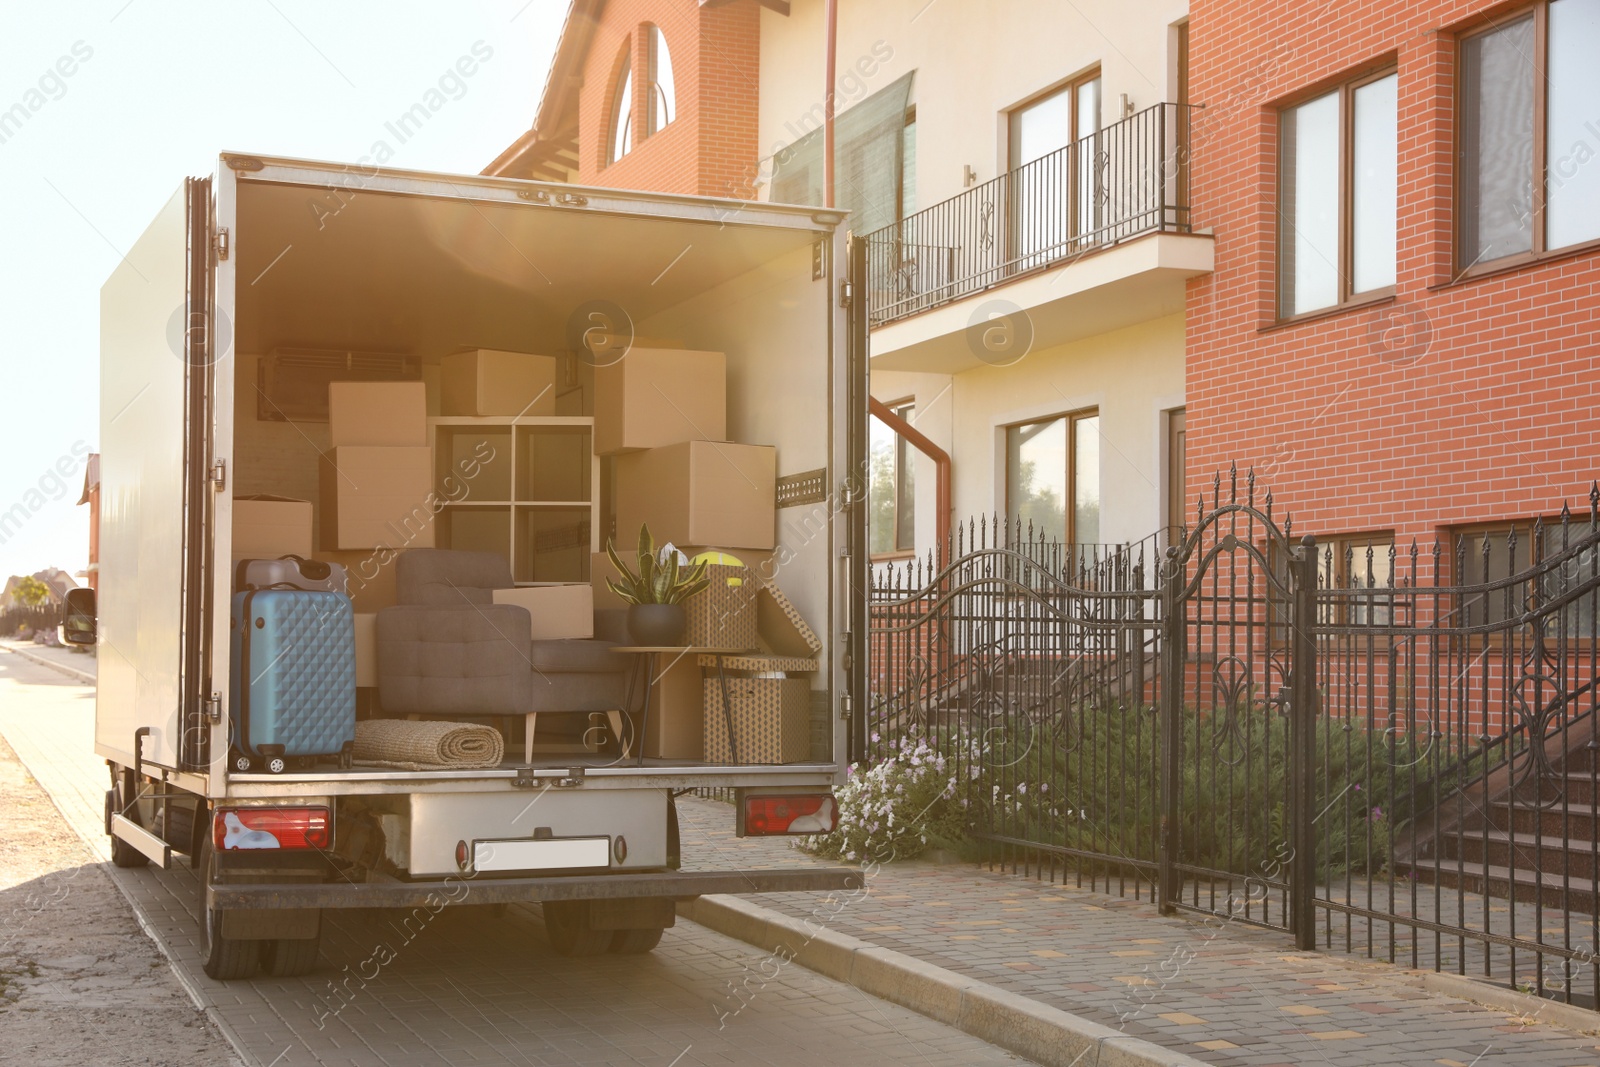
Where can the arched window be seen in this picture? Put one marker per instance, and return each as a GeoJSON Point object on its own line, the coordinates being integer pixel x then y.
{"type": "Point", "coordinates": [663, 91]}
{"type": "Point", "coordinates": [622, 110]}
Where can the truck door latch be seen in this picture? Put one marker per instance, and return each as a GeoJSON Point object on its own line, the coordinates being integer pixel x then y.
{"type": "Point", "coordinates": [573, 779]}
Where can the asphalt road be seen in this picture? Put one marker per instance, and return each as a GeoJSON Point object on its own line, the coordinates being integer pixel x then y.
{"type": "Point", "coordinates": [468, 985]}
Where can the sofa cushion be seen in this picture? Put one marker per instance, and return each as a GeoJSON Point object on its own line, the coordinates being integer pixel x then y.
{"type": "Point", "coordinates": [469, 660]}
{"type": "Point", "coordinates": [447, 578]}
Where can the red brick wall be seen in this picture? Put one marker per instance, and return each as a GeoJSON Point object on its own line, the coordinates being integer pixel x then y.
{"type": "Point", "coordinates": [711, 143]}
{"type": "Point", "coordinates": [1454, 403]}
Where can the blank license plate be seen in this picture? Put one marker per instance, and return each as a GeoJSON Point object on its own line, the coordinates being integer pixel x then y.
{"type": "Point", "coordinates": [522, 854]}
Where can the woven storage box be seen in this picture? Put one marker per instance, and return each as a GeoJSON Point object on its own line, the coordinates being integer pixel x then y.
{"type": "Point", "coordinates": [725, 614]}
{"type": "Point", "coordinates": [771, 719]}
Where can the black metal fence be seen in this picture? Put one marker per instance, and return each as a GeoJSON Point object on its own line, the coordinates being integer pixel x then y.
{"type": "Point", "coordinates": [1128, 179]}
{"type": "Point", "coordinates": [1383, 749]}
{"type": "Point", "coordinates": [19, 619]}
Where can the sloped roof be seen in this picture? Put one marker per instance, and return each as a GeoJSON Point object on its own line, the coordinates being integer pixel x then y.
{"type": "Point", "coordinates": [548, 151]}
{"type": "Point", "coordinates": [91, 476]}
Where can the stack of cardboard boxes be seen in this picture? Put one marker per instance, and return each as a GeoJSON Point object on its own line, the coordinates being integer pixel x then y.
{"type": "Point", "coordinates": [662, 413]}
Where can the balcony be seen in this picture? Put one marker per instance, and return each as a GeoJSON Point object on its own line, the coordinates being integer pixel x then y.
{"type": "Point", "coordinates": [1104, 222]}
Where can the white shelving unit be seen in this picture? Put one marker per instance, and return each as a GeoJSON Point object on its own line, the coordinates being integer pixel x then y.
{"type": "Point", "coordinates": [526, 487]}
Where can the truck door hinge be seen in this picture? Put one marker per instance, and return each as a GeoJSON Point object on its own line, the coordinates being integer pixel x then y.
{"type": "Point", "coordinates": [845, 707]}
{"type": "Point", "coordinates": [220, 240]}
{"type": "Point", "coordinates": [213, 707]}
{"type": "Point", "coordinates": [846, 294]}
{"type": "Point", "coordinates": [219, 475]}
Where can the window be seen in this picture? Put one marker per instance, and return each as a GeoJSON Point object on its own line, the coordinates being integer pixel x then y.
{"type": "Point", "coordinates": [1525, 140]}
{"type": "Point", "coordinates": [1338, 196]}
{"type": "Point", "coordinates": [1488, 554]}
{"type": "Point", "coordinates": [892, 496]}
{"type": "Point", "coordinates": [1045, 215]}
{"type": "Point", "coordinates": [621, 142]}
{"type": "Point", "coordinates": [1360, 561]}
{"type": "Point", "coordinates": [1053, 477]}
{"type": "Point", "coordinates": [663, 91]}
{"type": "Point", "coordinates": [908, 164]}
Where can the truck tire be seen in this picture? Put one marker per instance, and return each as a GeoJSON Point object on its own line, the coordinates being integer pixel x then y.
{"type": "Point", "coordinates": [122, 854]}
{"type": "Point", "coordinates": [566, 924]}
{"type": "Point", "coordinates": [226, 958]}
{"type": "Point", "coordinates": [290, 957]}
{"type": "Point", "coordinates": [635, 942]}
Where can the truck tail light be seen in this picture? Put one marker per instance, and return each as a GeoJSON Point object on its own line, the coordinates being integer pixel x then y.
{"type": "Point", "coordinates": [243, 828]}
{"type": "Point", "coordinates": [813, 814]}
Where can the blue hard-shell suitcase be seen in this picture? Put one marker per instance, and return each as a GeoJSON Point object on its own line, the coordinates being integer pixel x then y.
{"type": "Point", "coordinates": [293, 687]}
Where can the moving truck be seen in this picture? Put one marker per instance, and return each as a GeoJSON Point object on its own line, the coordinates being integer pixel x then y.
{"type": "Point", "coordinates": [253, 288]}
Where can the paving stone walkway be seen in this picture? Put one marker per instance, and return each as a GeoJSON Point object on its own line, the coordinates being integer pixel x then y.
{"type": "Point", "coordinates": [1223, 992]}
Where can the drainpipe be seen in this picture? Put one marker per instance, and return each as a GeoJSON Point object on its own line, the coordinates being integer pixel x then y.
{"type": "Point", "coordinates": [941, 460]}
{"type": "Point", "coordinates": [831, 19]}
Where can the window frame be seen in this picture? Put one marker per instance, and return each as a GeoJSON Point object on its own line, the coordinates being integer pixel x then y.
{"type": "Point", "coordinates": [1539, 251]}
{"type": "Point", "coordinates": [903, 457]}
{"type": "Point", "coordinates": [1346, 225]}
{"type": "Point", "coordinates": [1537, 551]}
{"type": "Point", "coordinates": [1069, 501]}
{"type": "Point", "coordinates": [621, 107]}
{"type": "Point", "coordinates": [654, 33]}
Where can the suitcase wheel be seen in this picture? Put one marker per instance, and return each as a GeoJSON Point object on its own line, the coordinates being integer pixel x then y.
{"type": "Point", "coordinates": [241, 762]}
{"type": "Point", "coordinates": [276, 765]}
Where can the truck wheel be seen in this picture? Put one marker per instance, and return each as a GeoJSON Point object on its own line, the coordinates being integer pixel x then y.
{"type": "Point", "coordinates": [290, 957]}
{"type": "Point", "coordinates": [122, 853]}
{"type": "Point", "coordinates": [566, 924]}
{"type": "Point", "coordinates": [227, 958]}
{"type": "Point", "coordinates": [635, 942]}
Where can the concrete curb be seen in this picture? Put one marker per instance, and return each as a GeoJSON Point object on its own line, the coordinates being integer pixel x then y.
{"type": "Point", "coordinates": [1043, 1034]}
{"type": "Point", "coordinates": [1567, 1016]}
{"type": "Point", "coordinates": [72, 672]}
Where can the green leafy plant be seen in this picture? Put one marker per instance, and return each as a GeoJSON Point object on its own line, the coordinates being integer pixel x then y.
{"type": "Point", "coordinates": [659, 579]}
{"type": "Point", "coordinates": [31, 591]}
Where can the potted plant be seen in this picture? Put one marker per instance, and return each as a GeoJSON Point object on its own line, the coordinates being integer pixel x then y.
{"type": "Point", "coordinates": [655, 594]}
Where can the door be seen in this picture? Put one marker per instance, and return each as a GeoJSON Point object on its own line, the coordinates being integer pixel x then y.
{"type": "Point", "coordinates": [156, 346]}
{"type": "Point", "coordinates": [1052, 151]}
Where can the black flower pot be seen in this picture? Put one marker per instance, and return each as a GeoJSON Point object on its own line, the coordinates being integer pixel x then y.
{"type": "Point", "coordinates": [657, 624]}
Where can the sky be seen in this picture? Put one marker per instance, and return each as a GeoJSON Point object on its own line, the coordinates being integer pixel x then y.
{"type": "Point", "coordinates": [124, 99]}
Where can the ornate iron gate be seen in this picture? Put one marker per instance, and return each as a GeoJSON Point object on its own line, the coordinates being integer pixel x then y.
{"type": "Point", "coordinates": [1238, 670]}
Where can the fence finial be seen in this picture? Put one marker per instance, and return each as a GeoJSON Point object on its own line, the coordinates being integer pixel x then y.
{"type": "Point", "coordinates": [1233, 482]}
{"type": "Point", "coordinates": [1594, 502]}
{"type": "Point", "coordinates": [1269, 505]}
{"type": "Point", "coordinates": [1250, 487]}
{"type": "Point", "coordinates": [1288, 525]}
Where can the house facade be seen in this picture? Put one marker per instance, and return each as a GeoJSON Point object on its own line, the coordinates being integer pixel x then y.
{"type": "Point", "coordinates": [1024, 196]}
{"type": "Point", "coordinates": [1400, 332]}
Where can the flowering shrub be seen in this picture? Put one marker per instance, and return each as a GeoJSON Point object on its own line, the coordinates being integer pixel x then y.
{"type": "Point", "coordinates": [895, 808]}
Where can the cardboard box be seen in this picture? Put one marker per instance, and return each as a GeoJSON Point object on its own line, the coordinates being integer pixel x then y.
{"type": "Point", "coordinates": [659, 396]}
{"type": "Point", "coordinates": [675, 715]}
{"type": "Point", "coordinates": [782, 629]}
{"type": "Point", "coordinates": [487, 381]}
{"type": "Point", "coordinates": [377, 413]}
{"type": "Point", "coordinates": [699, 493]}
{"type": "Point", "coordinates": [266, 527]}
{"type": "Point", "coordinates": [366, 649]}
{"type": "Point", "coordinates": [724, 615]}
{"type": "Point", "coordinates": [771, 719]}
{"type": "Point", "coordinates": [376, 496]}
{"type": "Point", "coordinates": [560, 612]}
{"type": "Point", "coordinates": [369, 575]}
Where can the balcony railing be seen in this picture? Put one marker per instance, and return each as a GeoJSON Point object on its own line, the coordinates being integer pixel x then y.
{"type": "Point", "coordinates": [1129, 179]}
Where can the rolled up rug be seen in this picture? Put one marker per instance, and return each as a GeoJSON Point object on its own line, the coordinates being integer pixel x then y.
{"type": "Point", "coordinates": [427, 746]}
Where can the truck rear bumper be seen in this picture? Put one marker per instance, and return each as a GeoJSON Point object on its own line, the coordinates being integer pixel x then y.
{"type": "Point", "coordinates": [469, 890]}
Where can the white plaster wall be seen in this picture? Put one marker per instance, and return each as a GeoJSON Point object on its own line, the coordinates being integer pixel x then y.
{"type": "Point", "coordinates": [974, 60]}
{"type": "Point", "coordinates": [1133, 376]}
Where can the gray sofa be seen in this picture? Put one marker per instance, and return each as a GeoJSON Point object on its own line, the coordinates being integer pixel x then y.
{"type": "Point", "coordinates": [447, 649]}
